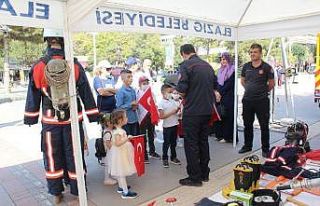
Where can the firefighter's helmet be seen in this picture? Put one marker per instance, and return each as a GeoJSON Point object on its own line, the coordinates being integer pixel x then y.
{"type": "Point", "coordinates": [53, 35]}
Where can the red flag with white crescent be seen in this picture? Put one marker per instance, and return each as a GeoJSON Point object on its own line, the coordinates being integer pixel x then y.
{"type": "Point", "coordinates": [138, 145]}
{"type": "Point", "coordinates": [148, 103]}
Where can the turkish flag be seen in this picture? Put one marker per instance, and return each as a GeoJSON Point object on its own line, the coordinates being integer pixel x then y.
{"type": "Point", "coordinates": [138, 145]}
{"type": "Point", "coordinates": [147, 102]}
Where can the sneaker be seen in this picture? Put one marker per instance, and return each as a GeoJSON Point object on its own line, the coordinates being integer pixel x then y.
{"type": "Point", "coordinates": [218, 138]}
{"type": "Point", "coordinates": [175, 161]}
{"type": "Point", "coordinates": [223, 141]}
{"type": "Point", "coordinates": [180, 144]}
{"type": "Point", "coordinates": [146, 161]}
{"type": "Point", "coordinates": [58, 198]}
{"type": "Point", "coordinates": [189, 182]}
{"type": "Point", "coordinates": [110, 181]}
{"type": "Point", "coordinates": [129, 195]}
{"type": "Point", "coordinates": [165, 164]}
{"type": "Point", "coordinates": [155, 155]}
{"type": "Point", "coordinates": [120, 190]}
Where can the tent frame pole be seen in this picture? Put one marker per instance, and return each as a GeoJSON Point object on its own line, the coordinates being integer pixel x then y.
{"type": "Point", "coordinates": [94, 37]}
{"type": "Point", "coordinates": [235, 112]}
{"type": "Point", "coordinates": [286, 66]}
{"type": "Point", "coordinates": [75, 132]}
{"type": "Point", "coordinates": [272, 91]}
{"type": "Point", "coordinates": [236, 62]}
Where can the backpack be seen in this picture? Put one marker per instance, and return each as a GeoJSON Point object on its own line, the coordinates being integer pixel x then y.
{"type": "Point", "coordinates": [100, 150]}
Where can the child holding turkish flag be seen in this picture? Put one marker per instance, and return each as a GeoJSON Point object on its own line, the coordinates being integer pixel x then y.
{"type": "Point", "coordinates": [147, 126]}
{"type": "Point", "coordinates": [122, 154]}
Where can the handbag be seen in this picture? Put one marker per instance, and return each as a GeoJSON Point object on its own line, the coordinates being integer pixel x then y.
{"type": "Point", "coordinates": [221, 110]}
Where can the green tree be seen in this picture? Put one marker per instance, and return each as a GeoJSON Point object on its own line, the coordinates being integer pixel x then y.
{"type": "Point", "coordinates": [26, 46]}
{"type": "Point", "coordinates": [117, 47]}
{"type": "Point", "coordinates": [300, 51]}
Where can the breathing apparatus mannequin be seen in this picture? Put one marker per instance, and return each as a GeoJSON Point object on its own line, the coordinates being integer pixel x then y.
{"type": "Point", "coordinates": [48, 98]}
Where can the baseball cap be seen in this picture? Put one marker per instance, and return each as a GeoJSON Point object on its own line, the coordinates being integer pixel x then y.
{"type": "Point", "coordinates": [142, 79]}
{"type": "Point", "coordinates": [104, 64]}
{"type": "Point", "coordinates": [132, 60]}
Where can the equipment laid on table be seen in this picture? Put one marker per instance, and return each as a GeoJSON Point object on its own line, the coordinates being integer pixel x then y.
{"type": "Point", "coordinates": [305, 183]}
{"type": "Point", "coordinates": [246, 176]}
{"type": "Point", "coordinates": [284, 160]}
{"type": "Point", "coordinates": [297, 134]}
{"type": "Point", "coordinates": [244, 197]}
{"type": "Point", "coordinates": [294, 201]}
{"type": "Point", "coordinates": [266, 197]}
{"type": "Point", "coordinates": [254, 162]}
{"type": "Point", "coordinates": [208, 202]}
{"type": "Point", "coordinates": [233, 203]}
{"type": "Point", "coordinates": [243, 177]}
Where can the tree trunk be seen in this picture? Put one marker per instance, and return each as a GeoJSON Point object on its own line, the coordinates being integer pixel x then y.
{"type": "Point", "coordinates": [208, 49]}
{"type": "Point", "coordinates": [6, 75]}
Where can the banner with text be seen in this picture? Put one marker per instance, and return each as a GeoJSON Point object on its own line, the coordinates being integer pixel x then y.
{"type": "Point", "coordinates": [32, 13]}
{"type": "Point", "coordinates": [111, 19]}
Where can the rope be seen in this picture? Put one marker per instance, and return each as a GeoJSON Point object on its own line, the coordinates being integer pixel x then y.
{"type": "Point", "coordinates": [57, 72]}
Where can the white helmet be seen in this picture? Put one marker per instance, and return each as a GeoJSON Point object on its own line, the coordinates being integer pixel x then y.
{"type": "Point", "coordinates": [52, 33]}
{"type": "Point", "coordinates": [104, 64]}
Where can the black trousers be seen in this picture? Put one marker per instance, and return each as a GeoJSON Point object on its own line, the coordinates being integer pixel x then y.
{"type": "Point", "coordinates": [196, 146]}
{"type": "Point", "coordinates": [148, 129]}
{"type": "Point", "coordinates": [58, 157]}
{"type": "Point", "coordinates": [261, 109]}
{"type": "Point", "coordinates": [132, 129]}
{"type": "Point", "coordinates": [170, 140]}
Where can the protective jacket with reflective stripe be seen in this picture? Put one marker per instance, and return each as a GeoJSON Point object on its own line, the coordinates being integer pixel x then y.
{"type": "Point", "coordinates": [38, 90]}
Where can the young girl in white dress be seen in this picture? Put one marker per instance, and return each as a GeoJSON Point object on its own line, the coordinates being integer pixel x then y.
{"type": "Point", "coordinates": [122, 157]}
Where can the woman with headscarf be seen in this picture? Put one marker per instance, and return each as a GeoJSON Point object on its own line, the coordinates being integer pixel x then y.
{"type": "Point", "coordinates": [226, 78]}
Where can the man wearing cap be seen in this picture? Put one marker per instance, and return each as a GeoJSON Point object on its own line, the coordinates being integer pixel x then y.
{"type": "Point", "coordinates": [134, 65]}
{"type": "Point", "coordinates": [147, 70]}
{"type": "Point", "coordinates": [104, 85]}
{"type": "Point", "coordinates": [197, 84]}
{"type": "Point", "coordinates": [146, 127]}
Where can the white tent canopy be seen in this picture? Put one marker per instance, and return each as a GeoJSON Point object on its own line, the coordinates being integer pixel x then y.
{"type": "Point", "coordinates": [236, 19]}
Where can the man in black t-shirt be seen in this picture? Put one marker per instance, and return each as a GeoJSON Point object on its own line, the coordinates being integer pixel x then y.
{"type": "Point", "coordinates": [257, 78]}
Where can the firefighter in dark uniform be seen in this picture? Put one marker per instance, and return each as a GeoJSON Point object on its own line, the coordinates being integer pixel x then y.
{"type": "Point", "coordinates": [257, 78]}
{"type": "Point", "coordinates": [56, 140]}
{"type": "Point", "coordinates": [198, 85]}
